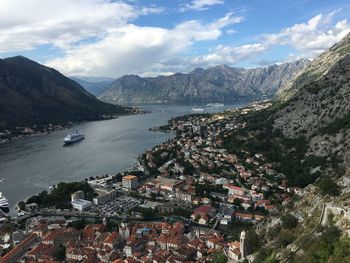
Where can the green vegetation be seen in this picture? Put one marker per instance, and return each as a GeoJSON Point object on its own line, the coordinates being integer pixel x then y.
{"type": "Point", "coordinates": [203, 190]}
{"type": "Point", "coordinates": [337, 125]}
{"type": "Point", "coordinates": [265, 255]}
{"type": "Point", "coordinates": [344, 50]}
{"type": "Point", "coordinates": [314, 88]}
{"type": "Point", "coordinates": [145, 212]}
{"type": "Point", "coordinates": [78, 224]}
{"type": "Point", "coordinates": [328, 186]}
{"type": "Point", "coordinates": [60, 253]}
{"type": "Point", "coordinates": [220, 258]}
{"type": "Point", "coordinates": [285, 237]}
{"type": "Point", "coordinates": [61, 195]}
{"type": "Point", "coordinates": [289, 221]}
{"type": "Point", "coordinates": [289, 155]}
{"type": "Point", "coordinates": [330, 246]}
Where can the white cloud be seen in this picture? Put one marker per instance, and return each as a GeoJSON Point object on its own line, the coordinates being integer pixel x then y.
{"type": "Point", "coordinates": [229, 55]}
{"type": "Point", "coordinates": [131, 49]}
{"type": "Point", "coordinates": [312, 37]}
{"type": "Point", "coordinates": [231, 31]}
{"type": "Point", "coordinates": [27, 24]}
{"type": "Point", "coordinates": [201, 5]}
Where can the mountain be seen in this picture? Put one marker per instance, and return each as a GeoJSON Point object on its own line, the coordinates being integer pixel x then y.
{"type": "Point", "coordinates": [34, 94]}
{"type": "Point", "coordinates": [94, 85]}
{"type": "Point", "coordinates": [217, 84]}
{"type": "Point", "coordinates": [317, 105]}
{"type": "Point", "coordinates": [306, 135]}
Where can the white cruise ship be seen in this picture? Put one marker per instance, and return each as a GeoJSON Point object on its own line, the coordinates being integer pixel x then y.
{"type": "Point", "coordinates": [198, 109]}
{"type": "Point", "coordinates": [215, 105]}
{"type": "Point", "coordinates": [72, 138]}
{"type": "Point", "coordinates": [4, 204]}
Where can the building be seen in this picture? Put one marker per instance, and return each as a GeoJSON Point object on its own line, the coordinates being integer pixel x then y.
{"type": "Point", "coordinates": [81, 204]}
{"type": "Point", "coordinates": [18, 251]}
{"type": "Point", "coordinates": [130, 182]}
{"type": "Point", "coordinates": [166, 184]}
{"type": "Point", "coordinates": [234, 190]}
{"type": "Point", "coordinates": [104, 196]}
{"type": "Point", "coordinates": [242, 245]}
{"type": "Point", "coordinates": [77, 195]}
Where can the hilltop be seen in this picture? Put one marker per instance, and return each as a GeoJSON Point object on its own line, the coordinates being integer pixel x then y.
{"type": "Point", "coordinates": [33, 94]}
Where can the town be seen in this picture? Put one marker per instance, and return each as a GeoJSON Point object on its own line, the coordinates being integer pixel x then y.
{"type": "Point", "coordinates": [189, 199]}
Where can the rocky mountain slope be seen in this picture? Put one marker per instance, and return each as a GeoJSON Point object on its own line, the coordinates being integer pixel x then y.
{"type": "Point", "coordinates": [318, 104]}
{"type": "Point", "coordinates": [34, 94]}
{"type": "Point", "coordinates": [218, 84]}
{"type": "Point", "coordinates": [94, 85]}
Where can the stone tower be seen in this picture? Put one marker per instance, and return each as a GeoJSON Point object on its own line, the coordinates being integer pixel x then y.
{"type": "Point", "coordinates": [242, 245]}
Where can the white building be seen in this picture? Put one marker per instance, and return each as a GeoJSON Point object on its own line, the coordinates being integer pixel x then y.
{"type": "Point", "coordinates": [104, 196]}
{"type": "Point", "coordinates": [130, 182]}
{"type": "Point", "coordinates": [77, 195]}
{"type": "Point", "coordinates": [81, 204]}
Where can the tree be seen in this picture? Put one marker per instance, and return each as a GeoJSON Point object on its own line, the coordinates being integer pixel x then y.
{"type": "Point", "coordinates": [60, 253]}
{"type": "Point", "coordinates": [289, 221]}
{"type": "Point", "coordinates": [220, 258]}
{"type": "Point", "coordinates": [285, 237]}
{"type": "Point", "coordinates": [237, 202]}
{"type": "Point", "coordinates": [253, 241]}
{"type": "Point", "coordinates": [21, 205]}
{"type": "Point", "coordinates": [328, 186]}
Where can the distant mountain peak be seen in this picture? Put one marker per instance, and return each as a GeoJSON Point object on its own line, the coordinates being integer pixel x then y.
{"type": "Point", "coordinates": [219, 83]}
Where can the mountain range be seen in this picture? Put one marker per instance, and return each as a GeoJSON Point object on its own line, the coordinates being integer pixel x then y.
{"type": "Point", "coordinates": [316, 105]}
{"type": "Point", "coordinates": [34, 94]}
{"type": "Point", "coordinates": [216, 84]}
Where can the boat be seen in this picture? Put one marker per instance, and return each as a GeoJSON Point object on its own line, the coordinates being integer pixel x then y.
{"type": "Point", "coordinates": [215, 105]}
{"type": "Point", "coordinates": [4, 204]}
{"type": "Point", "coordinates": [72, 138]}
{"type": "Point", "coordinates": [198, 109]}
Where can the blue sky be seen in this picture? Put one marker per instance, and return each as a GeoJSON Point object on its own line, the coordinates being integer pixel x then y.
{"type": "Point", "coordinates": [152, 37]}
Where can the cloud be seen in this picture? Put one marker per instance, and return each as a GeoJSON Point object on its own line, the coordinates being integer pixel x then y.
{"type": "Point", "coordinates": [312, 37]}
{"type": "Point", "coordinates": [27, 24]}
{"type": "Point", "coordinates": [201, 5]}
{"type": "Point", "coordinates": [131, 49]}
{"type": "Point", "coordinates": [229, 55]}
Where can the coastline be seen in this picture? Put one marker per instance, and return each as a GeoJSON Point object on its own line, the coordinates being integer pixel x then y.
{"type": "Point", "coordinates": [18, 133]}
{"type": "Point", "coordinates": [160, 140]}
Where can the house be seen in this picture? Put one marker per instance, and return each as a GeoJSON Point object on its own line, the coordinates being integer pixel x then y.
{"type": "Point", "coordinates": [234, 252]}
{"type": "Point", "coordinates": [112, 240]}
{"type": "Point", "coordinates": [227, 215]}
{"type": "Point", "coordinates": [243, 216]}
{"type": "Point", "coordinates": [134, 246]}
{"type": "Point", "coordinates": [234, 190]}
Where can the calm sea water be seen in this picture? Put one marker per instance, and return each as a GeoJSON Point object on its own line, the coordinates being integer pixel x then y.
{"type": "Point", "coordinates": [34, 164]}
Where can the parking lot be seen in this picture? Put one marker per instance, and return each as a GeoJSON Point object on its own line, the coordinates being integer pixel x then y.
{"type": "Point", "coordinates": [119, 206]}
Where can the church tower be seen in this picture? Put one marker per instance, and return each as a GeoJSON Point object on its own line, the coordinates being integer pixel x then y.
{"type": "Point", "coordinates": [242, 245]}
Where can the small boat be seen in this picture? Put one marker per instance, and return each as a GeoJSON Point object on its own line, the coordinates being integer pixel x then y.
{"type": "Point", "coordinates": [198, 109]}
{"type": "Point", "coordinates": [72, 138]}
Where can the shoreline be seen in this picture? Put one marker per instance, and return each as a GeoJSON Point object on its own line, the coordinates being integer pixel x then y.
{"type": "Point", "coordinates": [29, 132]}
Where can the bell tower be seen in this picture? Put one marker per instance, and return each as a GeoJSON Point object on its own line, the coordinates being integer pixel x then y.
{"type": "Point", "coordinates": [242, 245]}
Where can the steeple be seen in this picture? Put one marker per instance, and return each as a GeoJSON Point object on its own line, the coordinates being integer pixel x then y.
{"type": "Point", "coordinates": [242, 245]}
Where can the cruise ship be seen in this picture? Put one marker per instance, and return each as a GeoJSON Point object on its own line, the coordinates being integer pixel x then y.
{"type": "Point", "coordinates": [215, 105]}
{"type": "Point", "coordinates": [72, 138]}
{"type": "Point", "coordinates": [4, 204]}
{"type": "Point", "coordinates": [197, 109]}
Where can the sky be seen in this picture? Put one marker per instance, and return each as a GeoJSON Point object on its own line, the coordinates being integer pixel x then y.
{"type": "Point", "coordinates": [160, 37]}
